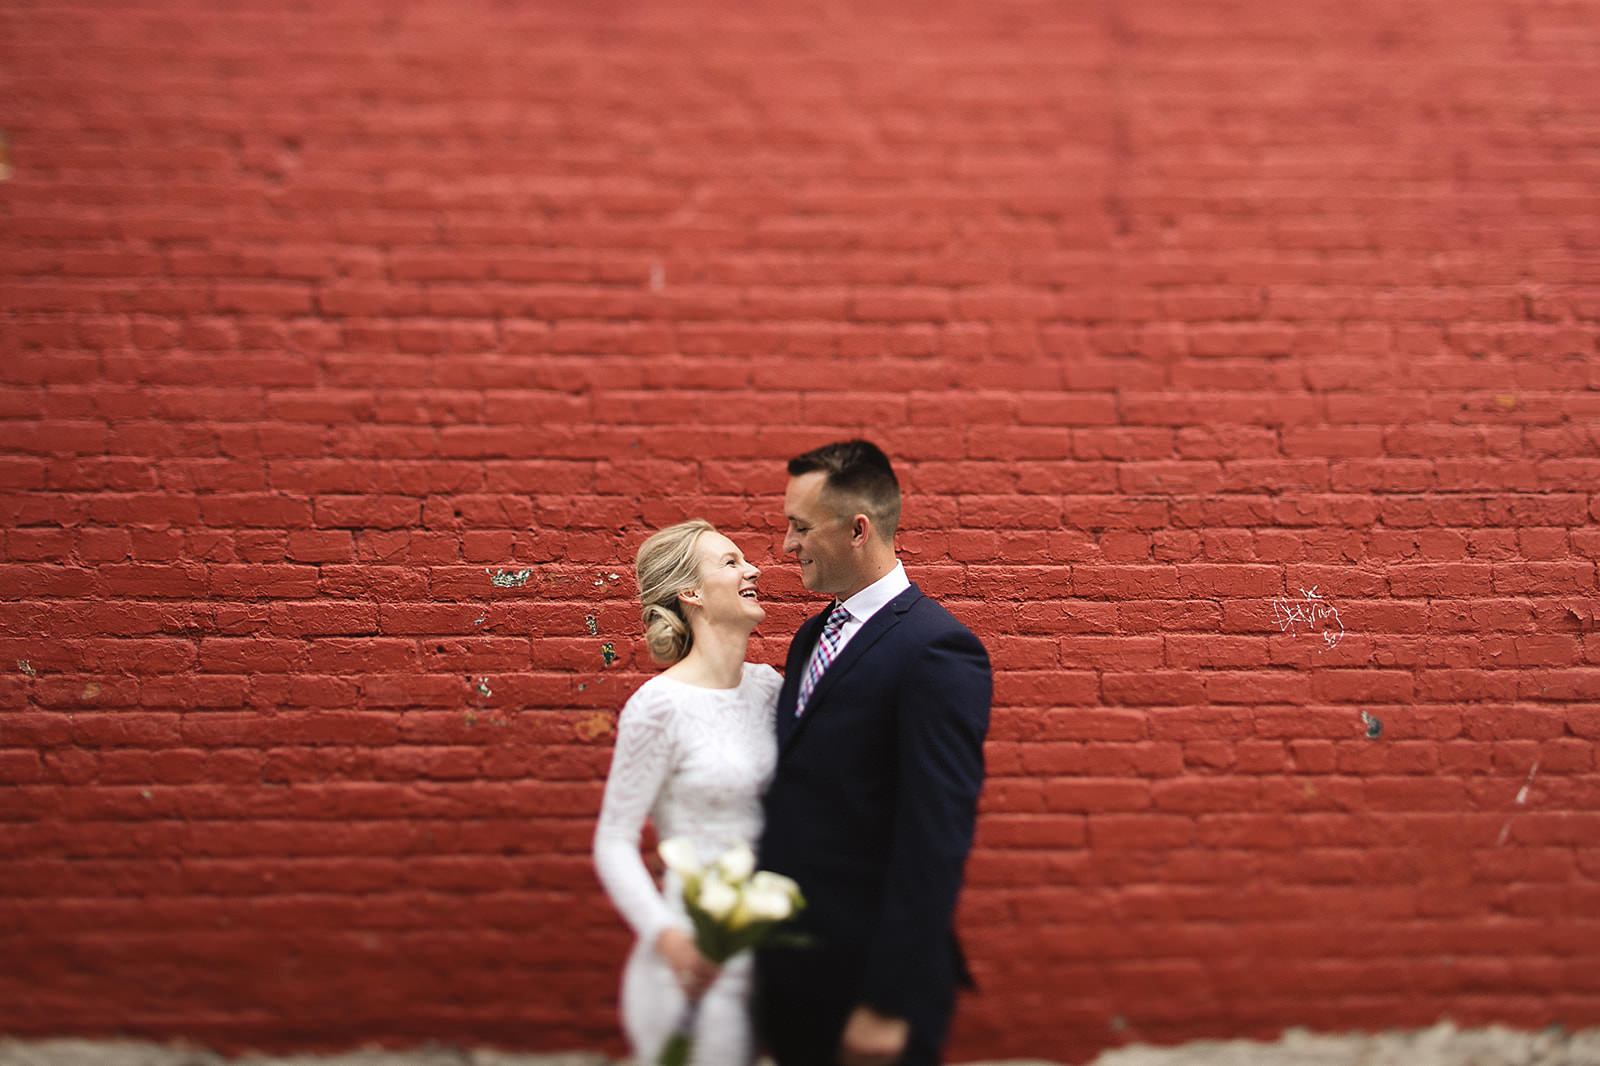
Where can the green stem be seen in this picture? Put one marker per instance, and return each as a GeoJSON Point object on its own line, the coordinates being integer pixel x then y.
{"type": "Point", "coordinates": [676, 1050]}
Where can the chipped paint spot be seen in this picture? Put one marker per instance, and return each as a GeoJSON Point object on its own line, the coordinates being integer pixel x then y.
{"type": "Point", "coordinates": [482, 688]}
{"type": "Point", "coordinates": [27, 668]}
{"type": "Point", "coordinates": [470, 718]}
{"type": "Point", "coordinates": [508, 579]}
{"type": "Point", "coordinates": [90, 691]}
{"type": "Point", "coordinates": [608, 652]}
{"type": "Point", "coordinates": [594, 626]}
{"type": "Point", "coordinates": [592, 727]}
{"type": "Point", "coordinates": [1374, 726]}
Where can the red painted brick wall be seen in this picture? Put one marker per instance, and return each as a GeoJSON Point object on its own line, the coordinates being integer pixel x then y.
{"type": "Point", "coordinates": [349, 348]}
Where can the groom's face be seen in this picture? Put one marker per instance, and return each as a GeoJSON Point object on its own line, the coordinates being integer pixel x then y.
{"type": "Point", "coordinates": [818, 538]}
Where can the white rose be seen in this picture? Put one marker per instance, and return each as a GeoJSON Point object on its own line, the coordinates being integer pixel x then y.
{"type": "Point", "coordinates": [678, 854]}
{"type": "Point", "coordinates": [737, 864]}
{"type": "Point", "coordinates": [767, 881]}
{"type": "Point", "coordinates": [717, 898]}
{"type": "Point", "coordinates": [767, 903]}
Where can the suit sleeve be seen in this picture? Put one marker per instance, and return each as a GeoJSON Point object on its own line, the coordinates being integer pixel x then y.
{"type": "Point", "coordinates": [943, 715]}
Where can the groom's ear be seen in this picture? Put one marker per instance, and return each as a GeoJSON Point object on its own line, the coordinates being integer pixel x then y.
{"type": "Point", "coordinates": [860, 529]}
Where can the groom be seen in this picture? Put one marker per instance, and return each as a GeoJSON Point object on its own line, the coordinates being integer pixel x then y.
{"type": "Point", "coordinates": [881, 721]}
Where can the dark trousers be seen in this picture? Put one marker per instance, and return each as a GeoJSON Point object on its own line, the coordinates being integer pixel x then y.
{"type": "Point", "coordinates": [805, 997]}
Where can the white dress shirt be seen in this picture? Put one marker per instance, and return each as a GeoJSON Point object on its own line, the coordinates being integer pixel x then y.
{"type": "Point", "coordinates": [870, 600]}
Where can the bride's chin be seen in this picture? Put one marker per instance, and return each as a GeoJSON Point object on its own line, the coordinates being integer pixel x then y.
{"type": "Point", "coordinates": [745, 621]}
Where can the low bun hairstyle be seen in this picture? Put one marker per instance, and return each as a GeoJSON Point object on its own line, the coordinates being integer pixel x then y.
{"type": "Point", "coordinates": [665, 566]}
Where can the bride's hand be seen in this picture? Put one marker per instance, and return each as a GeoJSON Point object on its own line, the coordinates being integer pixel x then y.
{"type": "Point", "coordinates": [693, 970]}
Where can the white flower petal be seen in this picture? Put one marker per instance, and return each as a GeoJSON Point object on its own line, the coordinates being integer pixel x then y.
{"type": "Point", "coordinates": [767, 903]}
{"type": "Point", "coordinates": [717, 898]}
{"type": "Point", "coordinates": [737, 863]}
{"type": "Point", "coordinates": [679, 855]}
{"type": "Point", "coordinates": [767, 881]}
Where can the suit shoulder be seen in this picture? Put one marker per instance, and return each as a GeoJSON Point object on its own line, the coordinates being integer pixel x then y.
{"type": "Point", "coordinates": [931, 615]}
{"type": "Point", "coordinates": [934, 629]}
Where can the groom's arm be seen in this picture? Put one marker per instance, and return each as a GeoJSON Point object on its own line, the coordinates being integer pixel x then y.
{"type": "Point", "coordinates": [943, 715]}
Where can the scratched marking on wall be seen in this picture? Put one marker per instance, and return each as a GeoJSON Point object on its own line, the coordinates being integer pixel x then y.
{"type": "Point", "coordinates": [1522, 801]}
{"type": "Point", "coordinates": [1313, 612]}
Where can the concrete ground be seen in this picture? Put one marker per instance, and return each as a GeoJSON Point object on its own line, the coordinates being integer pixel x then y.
{"type": "Point", "coordinates": [1442, 1045]}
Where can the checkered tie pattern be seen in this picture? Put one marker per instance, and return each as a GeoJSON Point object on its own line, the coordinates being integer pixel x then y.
{"type": "Point", "coordinates": [827, 647]}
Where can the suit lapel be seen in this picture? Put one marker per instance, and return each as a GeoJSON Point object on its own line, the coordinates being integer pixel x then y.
{"type": "Point", "coordinates": [805, 639]}
{"type": "Point", "coordinates": [874, 630]}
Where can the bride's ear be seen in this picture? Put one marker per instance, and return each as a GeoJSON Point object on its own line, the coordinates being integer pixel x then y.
{"type": "Point", "coordinates": [689, 596]}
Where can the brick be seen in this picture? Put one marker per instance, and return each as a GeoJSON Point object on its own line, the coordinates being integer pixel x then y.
{"type": "Point", "coordinates": [1560, 685]}
{"type": "Point", "coordinates": [1153, 688]}
{"type": "Point", "coordinates": [259, 510]}
{"type": "Point", "coordinates": [1124, 582]}
{"type": "Point", "coordinates": [1403, 794]}
{"type": "Point", "coordinates": [1187, 652]}
{"type": "Point", "coordinates": [1089, 795]}
{"type": "Point", "coordinates": [1111, 652]}
{"type": "Point", "coordinates": [1148, 832]}
{"type": "Point", "coordinates": [1201, 795]}
{"type": "Point", "coordinates": [1032, 831]}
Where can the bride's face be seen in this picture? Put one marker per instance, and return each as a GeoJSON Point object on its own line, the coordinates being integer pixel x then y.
{"type": "Point", "coordinates": [727, 589]}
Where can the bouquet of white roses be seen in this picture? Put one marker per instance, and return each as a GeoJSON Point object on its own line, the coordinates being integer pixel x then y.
{"type": "Point", "coordinates": [733, 906]}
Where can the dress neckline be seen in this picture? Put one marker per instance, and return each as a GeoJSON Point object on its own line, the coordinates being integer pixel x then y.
{"type": "Point", "coordinates": [744, 675]}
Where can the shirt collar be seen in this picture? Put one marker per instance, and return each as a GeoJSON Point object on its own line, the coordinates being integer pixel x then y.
{"type": "Point", "coordinates": [872, 599]}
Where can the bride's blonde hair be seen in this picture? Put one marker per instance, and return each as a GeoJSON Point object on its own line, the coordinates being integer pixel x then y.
{"type": "Point", "coordinates": [665, 566]}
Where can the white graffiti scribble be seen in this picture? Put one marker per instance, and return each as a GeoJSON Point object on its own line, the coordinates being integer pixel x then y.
{"type": "Point", "coordinates": [1522, 799]}
{"type": "Point", "coordinates": [1313, 612]}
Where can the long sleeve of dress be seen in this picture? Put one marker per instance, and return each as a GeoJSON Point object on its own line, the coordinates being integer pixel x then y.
{"type": "Point", "coordinates": [640, 766]}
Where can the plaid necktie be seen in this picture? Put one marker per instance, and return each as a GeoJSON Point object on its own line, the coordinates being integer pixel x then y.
{"type": "Point", "coordinates": [827, 647]}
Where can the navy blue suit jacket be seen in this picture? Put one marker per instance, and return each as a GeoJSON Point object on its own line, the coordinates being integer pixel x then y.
{"type": "Point", "coordinates": [872, 810]}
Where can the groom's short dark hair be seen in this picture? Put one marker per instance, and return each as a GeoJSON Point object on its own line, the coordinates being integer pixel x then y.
{"type": "Point", "coordinates": [859, 478]}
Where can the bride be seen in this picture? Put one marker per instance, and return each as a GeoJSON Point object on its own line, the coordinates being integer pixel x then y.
{"type": "Point", "coordinates": [695, 751]}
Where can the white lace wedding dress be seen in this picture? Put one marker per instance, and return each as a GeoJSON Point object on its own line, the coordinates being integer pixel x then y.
{"type": "Point", "coordinates": [696, 762]}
